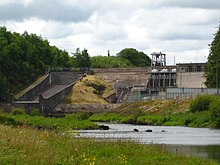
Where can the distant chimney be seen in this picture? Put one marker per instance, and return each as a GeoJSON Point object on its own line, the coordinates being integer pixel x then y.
{"type": "Point", "coordinates": [108, 53]}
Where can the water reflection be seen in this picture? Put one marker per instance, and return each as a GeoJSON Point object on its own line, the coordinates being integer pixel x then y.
{"type": "Point", "coordinates": [210, 151]}
{"type": "Point", "coordinates": [203, 142]}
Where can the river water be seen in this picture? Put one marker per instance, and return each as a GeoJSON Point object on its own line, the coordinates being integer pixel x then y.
{"type": "Point", "coordinates": [202, 142]}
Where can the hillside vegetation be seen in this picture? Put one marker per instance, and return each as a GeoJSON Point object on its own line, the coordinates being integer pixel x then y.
{"type": "Point", "coordinates": [23, 58]}
{"type": "Point", "coordinates": [91, 89]}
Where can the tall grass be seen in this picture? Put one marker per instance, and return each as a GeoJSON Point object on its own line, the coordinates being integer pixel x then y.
{"type": "Point", "coordinates": [74, 121]}
{"type": "Point", "coordinates": [30, 146]}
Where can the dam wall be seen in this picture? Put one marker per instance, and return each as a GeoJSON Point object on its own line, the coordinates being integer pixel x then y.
{"type": "Point", "coordinates": [191, 80]}
{"type": "Point", "coordinates": [122, 77]}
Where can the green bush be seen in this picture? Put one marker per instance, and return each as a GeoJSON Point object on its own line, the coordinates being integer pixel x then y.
{"type": "Point", "coordinates": [7, 120]}
{"type": "Point", "coordinates": [1, 110]}
{"type": "Point", "coordinates": [201, 103]}
{"type": "Point", "coordinates": [215, 112]}
{"type": "Point", "coordinates": [151, 120]}
{"type": "Point", "coordinates": [79, 115]}
{"type": "Point", "coordinates": [131, 119]}
{"type": "Point", "coordinates": [18, 111]}
{"type": "Point", "coordinates": [106, 117]}
{"type": "Point", "coordinates": [35, 112]}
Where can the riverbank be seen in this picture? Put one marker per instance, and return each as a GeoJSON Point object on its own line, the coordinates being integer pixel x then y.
{"type": "Point", "coordinates": [17, 117]}
{"type": "Point", "coordinates": [153, 112]}
{"type": "Point", "coordinates": [16, 146]}
{"type": "Point", "coordinates": [22, 145]}
{"type": "Point", "coordinates": [157, 113]}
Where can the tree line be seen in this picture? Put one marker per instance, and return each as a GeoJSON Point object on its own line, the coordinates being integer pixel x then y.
{"type": "Point", "coordinates": [23, 57]}
{"type": "Point", "coordinates": [213, 65]}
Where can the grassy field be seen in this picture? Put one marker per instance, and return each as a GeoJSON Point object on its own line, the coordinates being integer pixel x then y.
{"type": "Point", "coordinates": [23, 145]}
{"type": "Point", "coordinates": [91, 89]}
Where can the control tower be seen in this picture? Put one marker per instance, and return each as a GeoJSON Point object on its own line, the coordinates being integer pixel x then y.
{"type": "Point", "coordinates": [161, 76]}
{"type": "Point", "coordinates": [158, 59]}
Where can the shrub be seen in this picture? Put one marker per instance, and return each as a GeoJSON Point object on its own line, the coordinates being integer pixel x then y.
{"type": "Point", "coordinates": [79, 115]}
{"type": "Point", "coordinates": [131, 119]}
{"type": "Point", "coordinates": [215, 112]}
{"type": "Point", "coordinates": [1, 110]}
{"type": "Point", "coordinates": [99, 88]}
{"type": "Point", "coordinates": [151, 120]}
{"type": "Point", "coordinates": [35, 112]}
{"type": "Point", "coordinates": [106, 117]}
{"type": "Point", "coordinates": [201, 103]}
{"type": "Point", "coordinates": [18, 111]}
{"type": "Point", "coordinates": [7, 120]}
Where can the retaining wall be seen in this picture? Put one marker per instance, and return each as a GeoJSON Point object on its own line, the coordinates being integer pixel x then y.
{"type": "Point", "coordinates": [36, 89]}
{"type": "Point", "coordinates": [190, 79]}
{"type": "Point", "coordinates": [94, 108]}
{"type": "Point", "coordinates": [64, 78]}
{"type": "Point", "coordinates": [48, 104]}
{"type": "Point", "coordinates": [124, 77]}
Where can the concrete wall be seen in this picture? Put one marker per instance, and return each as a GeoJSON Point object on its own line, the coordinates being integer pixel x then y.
{"type": "Point", "coordinates": [124, 76]}
{"type": "Point", "coordinates": [190, 80]}
{"type": "Point", "coordinates": [48, 93]}
{"type": "Point", "coordinates": [64, 78]}
{"type": "Point", "coordinates": [48, 104]}
{"type": "Point", "coordinates": [182, 93]}
{"type": "Point", "coordinates": [94, 108]}
{"type": "Point", "coordinates": [34, 91]}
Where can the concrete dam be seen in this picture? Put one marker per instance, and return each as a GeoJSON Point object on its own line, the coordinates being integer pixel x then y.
{"type": "Point", "coordinates": [157, 81]}
{"type": "Point", "coordinates": [47, 92]}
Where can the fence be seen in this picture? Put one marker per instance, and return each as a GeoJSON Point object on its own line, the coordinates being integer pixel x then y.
{"type": "Point", "coordinates": [181, 93]}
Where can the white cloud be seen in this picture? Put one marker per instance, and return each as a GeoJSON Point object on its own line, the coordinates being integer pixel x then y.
{"type": "Point", "coordinates": [6, 2]}
{"type": "Point", "coordinates": [179, 28]}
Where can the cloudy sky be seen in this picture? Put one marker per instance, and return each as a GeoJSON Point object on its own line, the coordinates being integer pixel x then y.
{"type": "Point", "coordinates": [180, 28]}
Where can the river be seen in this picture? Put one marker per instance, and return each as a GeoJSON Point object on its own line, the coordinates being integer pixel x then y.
{"type": "Point", "coordinates": [202, 142]}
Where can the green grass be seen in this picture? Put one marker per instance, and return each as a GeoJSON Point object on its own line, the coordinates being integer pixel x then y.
{"type": "Point", "coordinates": [69, 122]}
{"type": "Point", "coordinates": [106, 117]}
{"type": "Point", "coordinates": [23, 145]}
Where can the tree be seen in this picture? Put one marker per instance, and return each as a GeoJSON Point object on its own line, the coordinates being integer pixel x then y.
{"type": "Point", "coordinates": [136, 58]}
{"type": "Point", "coordinates": [82, 59]}
{"type": "Point", "coordinates": [23, 58]}
{"type": "Point", "coordinates": [213, 66]}
{"type": "Point", "coordinates": [109, 62]}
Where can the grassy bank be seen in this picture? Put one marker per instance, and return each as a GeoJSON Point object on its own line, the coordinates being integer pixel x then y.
{"type": "Point", "coordinates": [203, 111]}
{"type": "Point", "coordinates": [168, 112]}
{"type": "Point", "coordinates": [73, 121]}
{"type": "Point", "coordinates": [23, 145]}
{"type": "Point", "coordinates": [201, 119]}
